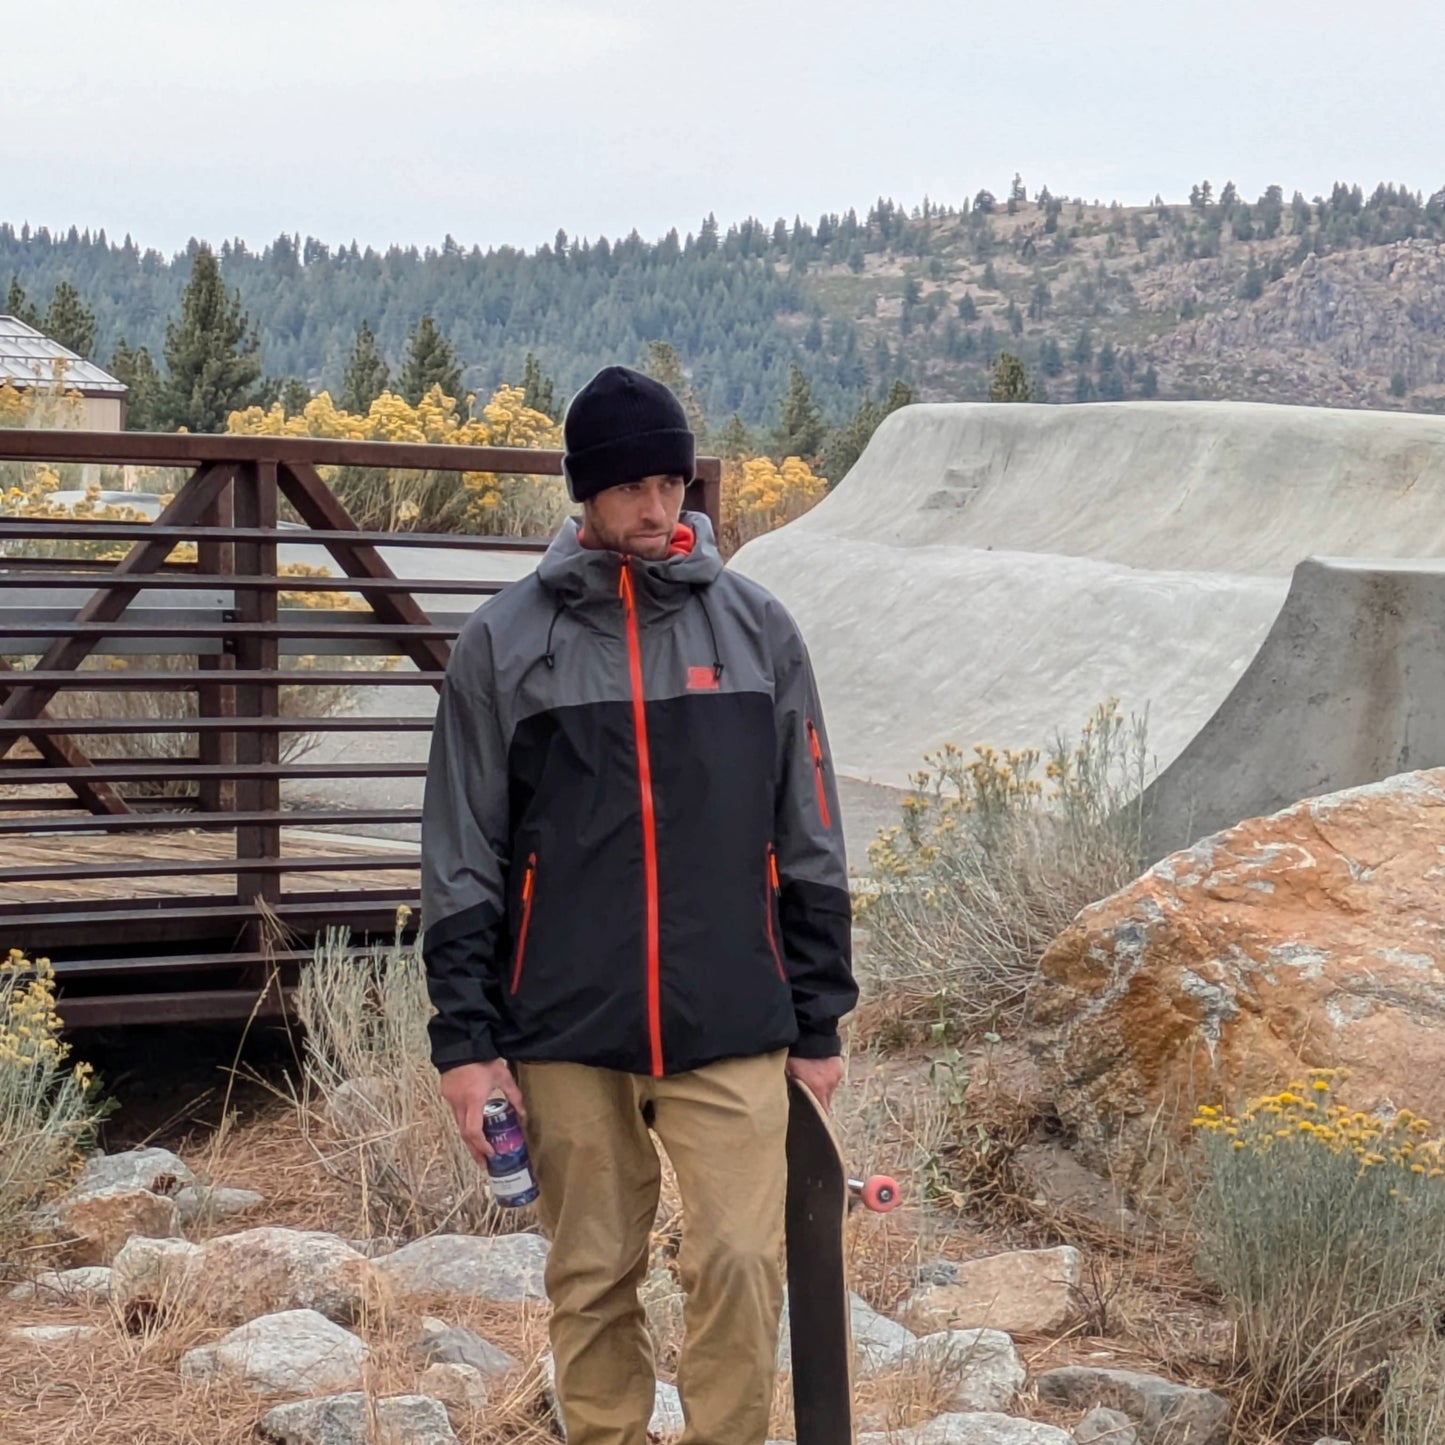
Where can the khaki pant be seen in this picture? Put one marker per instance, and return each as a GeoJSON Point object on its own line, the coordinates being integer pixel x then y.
{"type": "Point", "coordinates": [724, 1128]}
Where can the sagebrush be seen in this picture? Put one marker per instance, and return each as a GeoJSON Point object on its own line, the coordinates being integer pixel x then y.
{"type": "Point", "coordinates": [992, 862]}
{"type": "Point", "coordinates": [370, 1100]}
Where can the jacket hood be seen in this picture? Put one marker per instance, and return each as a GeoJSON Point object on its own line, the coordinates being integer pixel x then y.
{"type": "Point", "coordinates": [577, 575]}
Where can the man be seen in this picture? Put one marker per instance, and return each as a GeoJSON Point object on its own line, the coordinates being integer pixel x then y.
{"type": "Point", "coordinates": [634, 890]}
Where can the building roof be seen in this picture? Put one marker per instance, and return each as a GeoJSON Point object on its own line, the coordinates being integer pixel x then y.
{"type": "Point", "coordinates": [27, 357]}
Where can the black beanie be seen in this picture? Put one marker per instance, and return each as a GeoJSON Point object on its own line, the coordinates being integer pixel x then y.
{"type": "Point", "coordinates": [623, 426]}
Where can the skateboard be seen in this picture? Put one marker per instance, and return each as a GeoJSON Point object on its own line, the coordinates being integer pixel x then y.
{"type": "Point", "coordinates": [819, 1196]}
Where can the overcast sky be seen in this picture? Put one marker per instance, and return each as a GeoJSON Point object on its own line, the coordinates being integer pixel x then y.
{"type": "Point", "coordinates": [404, 121]}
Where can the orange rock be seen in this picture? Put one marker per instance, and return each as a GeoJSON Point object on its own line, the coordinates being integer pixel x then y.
{"type": "Point", "coordinates": [1314, 938]}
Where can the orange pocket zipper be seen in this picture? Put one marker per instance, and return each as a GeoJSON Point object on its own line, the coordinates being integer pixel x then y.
{"type": "Point", "coordinates": [529, 881]}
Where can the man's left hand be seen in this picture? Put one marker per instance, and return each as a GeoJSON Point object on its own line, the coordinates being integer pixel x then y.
{"type": "Point", "coordinates": [820, 1076]}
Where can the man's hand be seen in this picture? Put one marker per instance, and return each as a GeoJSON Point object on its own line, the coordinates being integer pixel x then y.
{"type": "Point", "coordinates": [820, 1076]}
{"type": "Point", "coordinates": [467, 1088]}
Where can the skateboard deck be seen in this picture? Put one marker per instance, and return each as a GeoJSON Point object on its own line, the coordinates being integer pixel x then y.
{"type": "Point", "coordinates": [818, 1311]}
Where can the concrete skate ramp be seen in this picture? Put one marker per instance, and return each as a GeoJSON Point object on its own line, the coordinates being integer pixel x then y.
{"type": "Point", "coordinates": [1348, 688]}
{"type": "Point", "coordinates": [992, 573]}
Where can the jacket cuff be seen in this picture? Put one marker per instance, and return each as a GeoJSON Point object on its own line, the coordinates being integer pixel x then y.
{"type": "Point", "coordinates": [478, 1049]}
{"type": "Point", "coordinates": [824, 1045]}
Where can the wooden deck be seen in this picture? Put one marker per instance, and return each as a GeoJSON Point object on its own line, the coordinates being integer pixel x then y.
{"type": "Point", "coordinates": [97, 852]}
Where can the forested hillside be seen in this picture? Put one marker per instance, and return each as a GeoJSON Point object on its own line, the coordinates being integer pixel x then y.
{"type": "Point", "coordinates": [1336, 300]}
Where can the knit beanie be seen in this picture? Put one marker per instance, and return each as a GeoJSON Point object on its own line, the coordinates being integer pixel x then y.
{"type": "Point", "coordinates": [623, 426]}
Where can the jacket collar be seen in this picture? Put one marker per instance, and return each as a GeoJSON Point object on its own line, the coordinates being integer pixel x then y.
{"type": "Point", "coordinates": [579, 576]}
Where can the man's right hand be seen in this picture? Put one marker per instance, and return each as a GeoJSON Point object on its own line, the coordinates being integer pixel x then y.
{"type": "Point", "coordinates": [467, 1088]}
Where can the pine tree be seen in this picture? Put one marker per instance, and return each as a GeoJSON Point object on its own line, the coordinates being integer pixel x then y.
{"type": "Point", "coordinates": [734, 440]}
{"type": "Point", "coordinates": [967, 307]}
{"type": "Point", "coordinates": [665, 365]}
{"type": "Point", "coordinates": [294, 396]}
{"type": "Point", "coordinates": [1149, 384]}
{"type": "Point", "coordinates": [367, 374]}
{"type": "Point", "coordinates": [800, 429]}
{"type": "Point", "coordinates": [538, 391]}
{"type": "Point", "coordinates": [18, 306]}
{"type": "Point", "coordinates": [70, 321]}
{"type": "Point", "coordinates": [212, 353]}
{"type": "Point", "coordinates": [430, 361]}
{"type": "Point", "coordinates": [139, 373]}
{"type": "Point", "coordinates": [1009, 380]}
{"type": "Point", "coordinates": [1051, 359]}
{"type": "Point", "coordinates": [1084, 348]}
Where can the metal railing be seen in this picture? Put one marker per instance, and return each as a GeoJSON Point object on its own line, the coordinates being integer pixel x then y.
{"type": "Point", "coordinates": [171, 856]}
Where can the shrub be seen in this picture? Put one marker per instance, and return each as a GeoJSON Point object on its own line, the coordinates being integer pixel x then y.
{"type": "Point", "coordinates": [1325, 1229]}
{"type": "Point", "coordinates": [47, 1107]}
{"type": "Point", "coordinates": [991, 863]}
{"type": "Point", "coordinates": [371, 1106]}
{"type": "Point", "coordinates": [758, 495]}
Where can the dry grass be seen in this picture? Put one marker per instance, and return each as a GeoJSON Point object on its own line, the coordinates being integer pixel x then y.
{"type": "Point", "coordinates": [124, 1389]}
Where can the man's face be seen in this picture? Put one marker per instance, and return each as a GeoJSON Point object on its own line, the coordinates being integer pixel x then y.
{"type": "Point", "coordinates": [638, 518]}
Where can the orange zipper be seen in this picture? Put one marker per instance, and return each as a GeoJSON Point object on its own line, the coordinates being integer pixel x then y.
{"type": "Point", "coordinates": [815, 746]}
{"type": "Point", "coordinates": [775, 889]}
{"type": "Point", "coordinates": [649, 820]}
{"type": "Point", "coordinates": [529, 880]}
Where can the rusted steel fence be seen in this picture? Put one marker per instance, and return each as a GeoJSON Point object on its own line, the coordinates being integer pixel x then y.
{"type": "Point", "coordinates": [195, 776]}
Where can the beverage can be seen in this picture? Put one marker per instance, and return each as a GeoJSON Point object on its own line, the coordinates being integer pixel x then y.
{"type": "Point", "coordinates": [509, 1170]}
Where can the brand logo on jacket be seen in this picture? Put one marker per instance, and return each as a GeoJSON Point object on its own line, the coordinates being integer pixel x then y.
{"type": "Point", "coordinates": [702, 679]}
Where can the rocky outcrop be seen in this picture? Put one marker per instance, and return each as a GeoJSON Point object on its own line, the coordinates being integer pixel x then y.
{"type": "Point", "coordinates": [1334, 331]}
{"type": "Point", "coordinates": [1314, 938]}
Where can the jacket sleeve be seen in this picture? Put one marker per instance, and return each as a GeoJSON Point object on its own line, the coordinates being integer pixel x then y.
{"type": "Point", "coordinates": [815, 907]}
{"type": "Point", "coordinates": [464, 862]}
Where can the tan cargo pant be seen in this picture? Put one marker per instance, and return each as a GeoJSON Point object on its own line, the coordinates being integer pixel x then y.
{"type": "Point", "coordinates": [724, 1128]}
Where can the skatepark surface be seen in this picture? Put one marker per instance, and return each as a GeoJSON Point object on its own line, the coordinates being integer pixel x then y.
{"type": "Point", "coordinates": [991, 573]}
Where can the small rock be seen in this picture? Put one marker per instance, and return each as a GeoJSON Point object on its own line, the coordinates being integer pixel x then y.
{"type": "Point", "coordinates": [1106, 1427]}
{"type": "Point", "coordinates": [292, 1353]}
{"type": "Point", "coordinates": [984, 1427]}
{"type": "Point", "coordinates": [442, 1344]}
{"type": "Point", "coordinates": [1163, 1413]}
{"type": "Point", "coordinates": [90, 1284]}
{"type": "Point", "coordinates": [236, 1277]}
{"type": "Point", "coordinates": [980, 1368]}
{"type": "Point", "coordinates": [505, 1268]}
{"type": "Point", "coordinates": [1023, 1292]}
{"type": "Point", "coordinates": [151, 1276]}
{"type": "Point", "coordinates": [459, 1387]}
{"type": "Point", "coordinates": [155, 1170]}
{"type": "Point", "coordinates": [937, 1271]}
{"type": "Point", "coordinates": [1055, 1179]}
{"type": "Point", "coordinates": [372, 1248]}
{"type": "Point", "coordinates": [877, 1340]}
{"type": "Point", "coordinates": [1330, 1440]}
{"type": "Point", "coordinates": [207, 1202]}
{"type": "Point", "coordinates": [54, 1334]}
{"type": "Point", "coordinates": [666, 1416]}
{"type": "Point", "coordinates": [97, 1223]}
{"type": "Point", "coordinates": [347, 1420]}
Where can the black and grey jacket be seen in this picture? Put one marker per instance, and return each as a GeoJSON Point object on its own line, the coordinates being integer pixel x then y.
{"type": "Point", "coordinates": [631, 852]}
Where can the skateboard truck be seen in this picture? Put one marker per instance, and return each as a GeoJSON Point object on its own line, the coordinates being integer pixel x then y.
{"type": "Point", "coordinates": [880, 1193]}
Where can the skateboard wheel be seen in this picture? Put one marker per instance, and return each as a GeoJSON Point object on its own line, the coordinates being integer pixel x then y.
{"type": "Point", "coordinates": [880, 1194]}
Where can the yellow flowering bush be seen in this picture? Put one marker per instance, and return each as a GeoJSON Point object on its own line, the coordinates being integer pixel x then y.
{"type": "Point", "coordinates": [991, 860]}
{"type": "Point", "coordinates": [47, 1106]}
{"type": "Point", "coordinates": [483, 502]}
{"type": "Point", "coordinates": [1324, 1226]}
{"type": "Point", "coordinates": [759, 495]}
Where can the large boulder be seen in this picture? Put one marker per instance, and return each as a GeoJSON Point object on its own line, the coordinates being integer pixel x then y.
{"type": "Point", "coordinates": [295, 1352]}
{"type": "Point", "coordinates": [95, 1224]}
{"type": "Point", "coordinates": [1023, 1292]}
{"type": "Point", "coordinates": [1314, 938]}
{"type": "Point", "coordinates": [503, 1268]}
{"type": "Point", "coordinates": [157, 1170]}
{"type": "Point", "coordinates": [974, 1428]}
{"type": "Point", "coordinates": [236, 1277]}
{"type": "Point", "coordinates": [1162, 1412]}
{"type": "Point", "coordinates": [352, 1419]}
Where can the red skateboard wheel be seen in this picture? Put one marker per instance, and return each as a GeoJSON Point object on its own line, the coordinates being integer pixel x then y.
{"type": "Point", "coordinates": [880, 1194]}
